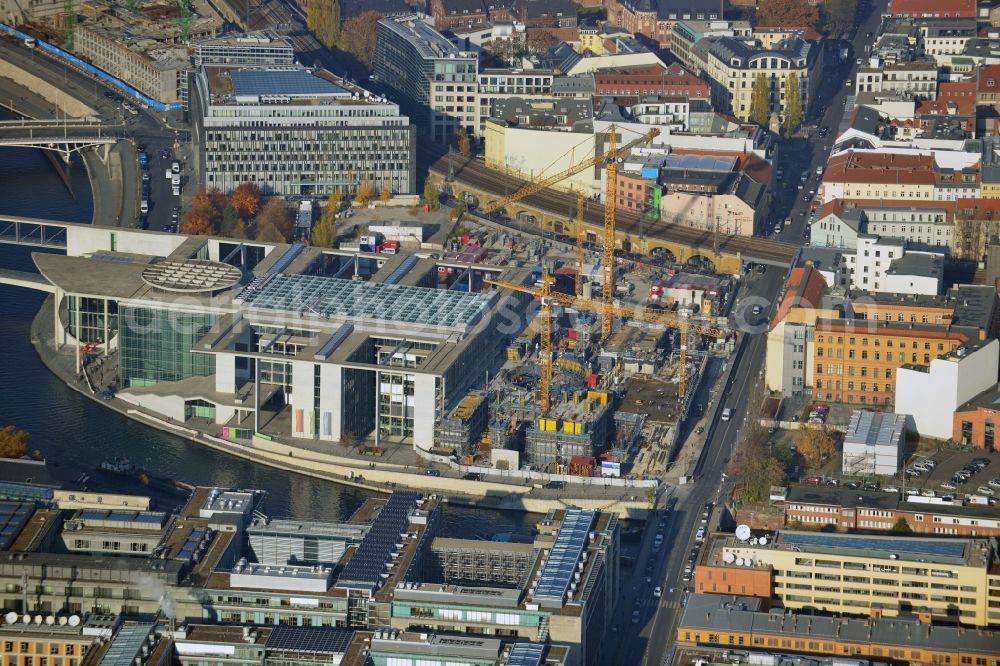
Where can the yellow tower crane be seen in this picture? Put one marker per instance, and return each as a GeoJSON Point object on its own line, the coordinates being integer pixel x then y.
{"type": "Point", "coordinates": [609, 157]}
{"type": "Point", "coordinates": [683, 324]}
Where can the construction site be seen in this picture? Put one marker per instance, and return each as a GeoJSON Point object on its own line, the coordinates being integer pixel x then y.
{"type": "Point", "coordinates": [602, 373]}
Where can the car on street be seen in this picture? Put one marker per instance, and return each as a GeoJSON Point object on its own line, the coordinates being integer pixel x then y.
{"type": "Point", "coordinates": [432, 472]}
{"type": "Point", "coordinates": [700, 535]}
{"type": "Point", "coordinates": [635, 616]}
{"type": "Point", "coordinates": [995, 482]}
{"type": "Point", "coordinates": [727, 414]}
{"type": "Point", "coordinates": [657, 591]}
{"type": "Point", "coordinates": [756, 310]}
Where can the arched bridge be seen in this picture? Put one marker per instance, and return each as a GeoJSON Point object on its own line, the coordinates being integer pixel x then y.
{"type": "Point", "coordinates": [554, 211]}
{"type": "Point", "coordinates": [66, 136]}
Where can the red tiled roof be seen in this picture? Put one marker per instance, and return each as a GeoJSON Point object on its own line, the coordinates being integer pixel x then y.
{"type": "Point", "coordinates": [962, 93]}
{"type": "Point", "coordinates": [848, 202]}
{"type": "Point", "coordinates": [942, 8]}
{"type": "Point", "coordinates": [804, 288]}
{"type": "Point", "coordinates": [855, 167]}
{"type": "Point", "coordinates": [977, 209]}
{"type": "Point", "coordinates": [989, 79]}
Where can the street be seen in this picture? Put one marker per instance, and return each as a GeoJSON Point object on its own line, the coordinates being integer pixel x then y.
{"type": "Point", "coordinates": [145, 128]}
{"type": "Point", "coordinates": [659, 616]}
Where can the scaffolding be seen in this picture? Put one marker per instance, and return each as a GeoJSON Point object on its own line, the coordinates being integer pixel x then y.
{"type": "Point", "coordinates": [480, 563]}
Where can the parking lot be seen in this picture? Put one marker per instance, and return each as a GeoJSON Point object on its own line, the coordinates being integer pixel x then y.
{"type": "Point", "coordinates": [949, 462]}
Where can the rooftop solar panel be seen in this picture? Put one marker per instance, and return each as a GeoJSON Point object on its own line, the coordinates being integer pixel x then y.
{"type": "Point", "coordinates": [700, 162]}
{"type": "Point", "coordinates": [290, 82]}
{"type": "Point", "coordinates": [336, 297]}
{"type": "Point", "coordinates": [126, 645]}
{"type": "Point", "coordinates": [564, 555]}
{"type": "Point", "coordinates": [861, 543]}
{"type": "Point", "coordinates": [365, 568]}
{"type": "Point", "coordinates": [12, 523]}
{"type": "Point", "coordinates": [526, 654]}
{"type": "Point", "coordinates": [315, 640]}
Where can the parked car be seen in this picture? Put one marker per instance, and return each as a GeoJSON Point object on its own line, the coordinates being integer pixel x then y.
{"type": "Point", "coordinates": [995, 482]}
{"type": "Point", "coordinates": [432, 472]}
{"type": "Point", "coordinates": [986, 490]}
{"type": "Point", "coordinates": [948, 485]}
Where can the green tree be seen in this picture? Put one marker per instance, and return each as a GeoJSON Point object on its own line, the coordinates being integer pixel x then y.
{"type": "Point", "coordinates": [431, 196]}
{"type": "Point", "coordinates": [323, 19]}
{"type": "Point", "coordinates": [793, 104]}
{"type": "Point", "coordinates": [230, 218]}
{"type": "Point", "coordinates": [357, 37]}
{"type": "Point", "coordinates": [13, 442]}
{"type": "Point", "coordinates": [760, 100]}
{"type": "Point", "coordinates": [901, 527]}
{"type": "Point", "coordinates": [324, 234]}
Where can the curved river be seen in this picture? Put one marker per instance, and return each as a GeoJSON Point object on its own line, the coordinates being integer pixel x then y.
{"type": "Point", "coordinates": [77, 433]}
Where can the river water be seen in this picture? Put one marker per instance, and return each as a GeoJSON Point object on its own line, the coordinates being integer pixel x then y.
{"type": "Point", "coordinates": [77, 433]}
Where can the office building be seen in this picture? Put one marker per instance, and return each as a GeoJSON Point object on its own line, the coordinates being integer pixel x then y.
{"type": "Point", "coordinates": [847, 509]}
{"type": "Point", "coordinates": [404, 647]}
{"type": "Point", "coordinates": [291, 345]}
{"type": "Point", "coordinates": [873, 444]}
{"type": "Point", "coordinates": [858, 574]}
{"type": "Point", "coordinates": [567, 596]}
{"type": "Point", "coordinates": [434, 81]}
{"type": "Point", "coordinates": [925, 226]}
{"type": "Point", "coordinates": [298, 131]}
{"type": "Point", "coordinates": [727, 621]}
{"type": "Point", "coordinates": [302, 542]}
{"type": "Point", "coordinates": [254, 49]}
{"type": "Point", "coordinates": [974, 423]}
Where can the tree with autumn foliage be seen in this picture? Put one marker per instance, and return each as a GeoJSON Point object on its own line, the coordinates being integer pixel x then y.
{"type": "Point", "coordinates": [323, 19]}
{"type": "Point", "coordinates": [275, 223]}
{"type": "Point", "coordinates": [539, 41]}
{"type": "Point", "coordinates": [246, 200]}
{"type": "Point", "coordinates": [357, 36]}
{"type": "Point", "coordinates": [385, 195]}
{"type": "Point", "coordinates": [365, 192]}
{"type": "Point", "coordinates": [815, 444]}
{"type": "Point", "coordinates": [13, 442]}
{"type": "Point", "coordinates": [462, 143]}
{"type": "Point", "coordinates": [324, 234]}
{"type": "Point", "coordinates": [790, 13]}
{"type": "Point", "coordinates": [760, 101]}
{"type": "Point", "coordinates": [197, 223]}
{"type": "Point", "coordinates": [793, 104]}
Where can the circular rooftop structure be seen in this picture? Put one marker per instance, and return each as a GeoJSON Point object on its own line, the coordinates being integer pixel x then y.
{"type": "Point", "coordinates": [191, 276]}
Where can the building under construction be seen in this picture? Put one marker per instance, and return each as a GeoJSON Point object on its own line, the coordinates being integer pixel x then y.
{"type": "Point", "coordinates": [464, 426]}
{"type": "Point", "coordinates": [578, 424]}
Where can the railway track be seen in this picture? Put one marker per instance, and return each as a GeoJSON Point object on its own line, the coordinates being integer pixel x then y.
{"type": "Point", "coordinates": [558, 203]}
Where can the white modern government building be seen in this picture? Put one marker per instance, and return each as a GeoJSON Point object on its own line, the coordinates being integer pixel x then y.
{"type": "Point", "coordinates": [275, 339]}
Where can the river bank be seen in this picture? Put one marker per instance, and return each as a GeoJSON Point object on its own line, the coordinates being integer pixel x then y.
{"type": "Point", "coordinates": [372, 477]}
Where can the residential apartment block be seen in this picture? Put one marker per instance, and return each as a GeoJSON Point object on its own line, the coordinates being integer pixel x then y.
{"type": "Point", "coordinates": [731, 66]}
{"type": "Point", "coordinates": [856, 361]}
{"type": "Point", "coordinates": [918, 79]}
{"type": "Point", "coordinates": [435, 81]}
{"type": "Point", "coordinates": [878, 175]}
{"type": "Point", "coordinates": [655, 19]}
{"type": "Point", "coordinates": [298, 131]}
{"type": "Point", "coordinates": [638, 82]}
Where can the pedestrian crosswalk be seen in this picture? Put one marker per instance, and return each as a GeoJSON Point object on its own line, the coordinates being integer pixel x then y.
{"type": "Point", "coordinates": [670, 603]}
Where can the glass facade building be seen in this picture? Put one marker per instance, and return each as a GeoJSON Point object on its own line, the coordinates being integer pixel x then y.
{"type": "Point", "coordinates": [92, 323]}
{"type": "Point", "coordinates": [155, 345]}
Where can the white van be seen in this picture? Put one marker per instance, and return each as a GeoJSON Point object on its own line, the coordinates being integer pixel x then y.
{"type": "Point", "coordinates": [727, 413]}
{"type": "Point", "coordinates": [175, 180]}
{"type": "Point", "coordinates": [144, 207]}
{"type": "Point", "coordinates": [175, 167]}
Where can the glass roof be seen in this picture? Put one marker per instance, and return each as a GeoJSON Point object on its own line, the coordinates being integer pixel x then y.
{"type": "Point", "coordinates": [335, 298]}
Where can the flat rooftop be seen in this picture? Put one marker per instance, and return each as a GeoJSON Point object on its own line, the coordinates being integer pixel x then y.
{"type": "Point", "coordinates": [717, 613]}
{"type": "Point", "coordinates": [428, 42]}
{"type": "Point", "coordinates": [336, 298]}
{"type": "Point", "coordinates": [955, 552]}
